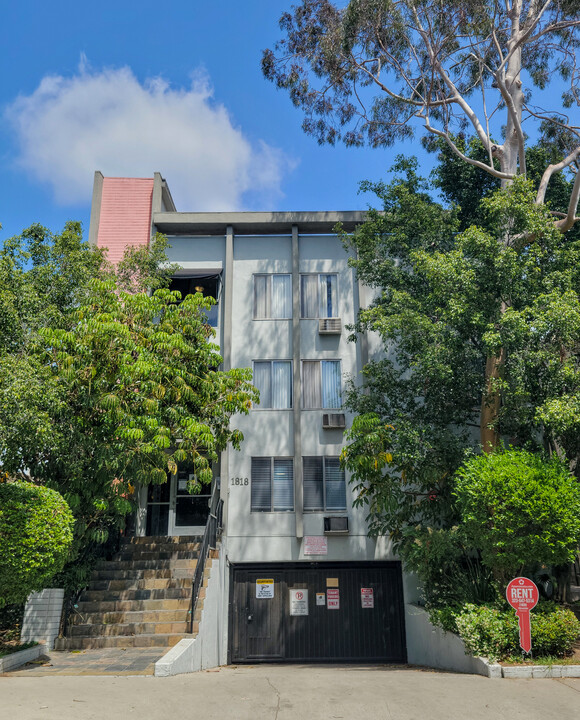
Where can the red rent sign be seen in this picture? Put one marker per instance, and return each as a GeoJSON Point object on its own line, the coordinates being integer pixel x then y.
{"type": "Point", "coordinates": [522, 594]}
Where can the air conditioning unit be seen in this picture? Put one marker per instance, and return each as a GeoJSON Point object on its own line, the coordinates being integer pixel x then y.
{"type": "Point", "coordinates": [333, 421]}
{"type": "Point", "coordinates": [329, 326]}
{"type": "Point", "coordinates": [336, 525]}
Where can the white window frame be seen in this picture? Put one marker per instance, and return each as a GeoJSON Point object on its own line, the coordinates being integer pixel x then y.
{"type": "Point", "coordinates": [324, 508]}
{"type": "Point", "coordinates": [270, 296]}
{"type": "Point", "coordinates": [259, 405]}
{"type": "Point", "coordinates": [272, 508]}
{"type": "Point", "coordinates": [318, 313]}
{"type": "Point", "coordinates": [321, 406]}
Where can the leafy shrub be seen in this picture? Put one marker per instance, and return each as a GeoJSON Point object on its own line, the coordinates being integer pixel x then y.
{"type": "Point", "coordinates": [519, 510]}
{"type": "Point", "coordinates": [35, 535]}
{"type": "Point", "coordinates": [494, 633]}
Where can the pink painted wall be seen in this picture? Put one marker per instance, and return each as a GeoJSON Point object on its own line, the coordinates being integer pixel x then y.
{"type": "Point", "coordinates": [125, 217]}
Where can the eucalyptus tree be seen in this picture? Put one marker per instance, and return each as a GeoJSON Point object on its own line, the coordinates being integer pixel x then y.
{"type": "Point", "coordinates": [377, 72]}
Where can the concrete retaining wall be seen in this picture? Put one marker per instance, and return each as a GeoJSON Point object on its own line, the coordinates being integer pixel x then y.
{"type": "Point", "coordinates": [431, 646]}
{"type": "Point", "coordinates": [16, 659]}
{"type": "Point", "coordinates": [42, 613]}
{"type": "Point", "coordinates": [203, 651]}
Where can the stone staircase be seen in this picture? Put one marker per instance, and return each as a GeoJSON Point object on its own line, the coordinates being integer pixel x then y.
{"type": "Point", "coordinates": [140, 598]}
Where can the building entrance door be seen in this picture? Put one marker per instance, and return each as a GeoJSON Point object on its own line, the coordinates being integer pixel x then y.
{"type": "Point", "coordinates": [173, 510]}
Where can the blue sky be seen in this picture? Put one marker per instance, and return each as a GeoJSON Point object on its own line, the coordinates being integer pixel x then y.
{"type": "Point", "coordinates": [130, 88]}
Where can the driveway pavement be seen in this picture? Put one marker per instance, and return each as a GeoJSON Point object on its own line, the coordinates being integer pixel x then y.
{"type": "Point", "coordinates": [290, 692]}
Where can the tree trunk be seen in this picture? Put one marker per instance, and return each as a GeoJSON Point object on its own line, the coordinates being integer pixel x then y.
{"type": "Point", "coordinates": [491, 403]}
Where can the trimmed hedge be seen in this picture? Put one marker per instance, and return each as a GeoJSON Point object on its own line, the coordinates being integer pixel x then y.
{"type": "Point", "coordinates": [35, 535]}
{"type": "Point", "coordinates": [494, 633]}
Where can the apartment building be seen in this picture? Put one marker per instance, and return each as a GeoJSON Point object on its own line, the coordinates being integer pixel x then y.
{"type": "Point", "coordinates": [298, 578]}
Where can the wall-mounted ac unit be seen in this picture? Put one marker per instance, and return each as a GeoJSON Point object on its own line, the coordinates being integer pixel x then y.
{"type": "Point", "coordinates": [329, 326]}
{"type": "Point", "coordinates": [333, 421]}
{"type": "Point", "coordinates": [336, 525]}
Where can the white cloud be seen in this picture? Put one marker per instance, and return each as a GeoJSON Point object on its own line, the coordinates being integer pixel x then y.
{"type": "Point", "coordinates": [70, 127]}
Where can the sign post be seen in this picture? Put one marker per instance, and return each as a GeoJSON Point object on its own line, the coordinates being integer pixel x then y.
{"type": "Point", "coordinates": [522, 594]}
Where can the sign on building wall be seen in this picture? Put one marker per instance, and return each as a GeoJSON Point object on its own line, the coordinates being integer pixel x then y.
{"type": "Point", "coordinates": [333, 598]}
{"type": "Point", "coordinates": [298, 602]}
{"type": "Point", "coordinates": [320, 598]}
{"type": "Point", "coordinates": [316, 545]}
{"type": "Point", "coordinates": [265, 588]}
{"type": "Point", "coordinates": [367, 598]}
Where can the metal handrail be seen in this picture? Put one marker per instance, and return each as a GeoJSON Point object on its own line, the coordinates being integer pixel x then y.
{"type": "Point", "coordinates": [213, 528]}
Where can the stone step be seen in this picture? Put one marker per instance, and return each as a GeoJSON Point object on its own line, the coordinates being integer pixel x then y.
{"type": "Point", "coordinates": [129, 616]}
{"type": "Point", "coordinates": [139, 584]}
{"type": "Point", "coordinates": [187, 563]}
{"type": "Point", "coordinates": [113, 573]}
{"type": "Point", "coordinates": [133, 605]}
{"type": "Point", "coordinates": [87, 643]}
{"type": "Point", "coordinates": [146, 628]}
{"type": "Point", "coordinates": [153, 554]}
{"type": "Point", "coordinates": [114, 595]}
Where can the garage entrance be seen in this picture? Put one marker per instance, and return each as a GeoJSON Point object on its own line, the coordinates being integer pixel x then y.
{"type": "Point", "coordinates": [350, 612]}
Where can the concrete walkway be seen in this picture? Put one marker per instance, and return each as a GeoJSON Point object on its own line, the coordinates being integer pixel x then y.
{"type": "Point", "coordinates": [108, 661]}
{"type": "Point", "coordinates": [290, 692]}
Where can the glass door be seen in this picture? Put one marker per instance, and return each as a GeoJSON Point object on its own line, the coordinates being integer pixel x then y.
{"type": "Point", "coordinates": [188, 512]}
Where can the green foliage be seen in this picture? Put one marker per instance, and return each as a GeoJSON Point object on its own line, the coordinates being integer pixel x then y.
{"type": "Point", "coordinates": [103, 389]}
{"type": "Point", "coordinates": [518, 510]}
{"type": "Point", "coordinates": [446, 301]}
{"type": "Point", "coordinates": [494, 633]}
{"type": "Point", "coordinates": [35, 537]}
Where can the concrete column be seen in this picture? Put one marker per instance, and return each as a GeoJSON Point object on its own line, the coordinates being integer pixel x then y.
{"type": "Point", "coordinates": [297, 386]}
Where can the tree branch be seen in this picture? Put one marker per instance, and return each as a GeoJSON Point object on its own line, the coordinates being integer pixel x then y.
{"type": "Point", "coordinates": [550, 170]}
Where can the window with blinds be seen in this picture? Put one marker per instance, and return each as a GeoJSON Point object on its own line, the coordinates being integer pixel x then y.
{"type": "Point", "coordinates": [273, 378]}
{"type": "Point", "coordinates": [321, 386]}
{"type": "Point", "coordinates": [272, 487]}
{"type": "Point", "coordinates": [272, 297]}
{"type": "Point", "coordinates": [318, 296]}
{"type": "Point", "coordinates": [324, 484]}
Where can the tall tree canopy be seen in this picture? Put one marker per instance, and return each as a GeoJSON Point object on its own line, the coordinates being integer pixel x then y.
{"type": "Point", "coordinates": [446, 302]}
{"type": "Point", "coordinates": [375, 71]}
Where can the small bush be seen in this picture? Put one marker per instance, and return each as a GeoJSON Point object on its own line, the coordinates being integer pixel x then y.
{"type": "Point", "coordinates": [35, 535]}
{"type": "Point", "coordinates": [494, 633]}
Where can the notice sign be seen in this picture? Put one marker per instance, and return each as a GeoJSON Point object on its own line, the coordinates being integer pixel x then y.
{"type": "Point", "coordinates": [367, 598]}
{"type": "Point", "coordinates": [298, 602]}
{"type": "Point", "coordinates": [316, 545]}
{"type": "Point", "coordinates": [265, 588]}
{"type": "Point", "coordinates": [333, 598]}
{"type": "Point", "coordinates": [320, 599]}
{"type": "Point", "coordinates": [522, 594]}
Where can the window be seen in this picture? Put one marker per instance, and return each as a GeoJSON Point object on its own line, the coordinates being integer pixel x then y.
{"type": "Point", "coordinates": [273, 378]}
{"type": "Point", "coordinates": [324, 484]}
{"type": "Point", "coordinates": [272, 484]}
{"type": "Point", "coordinates": [207, 285]}
{"type": "Point", "coordinates": [318, 296]}
{"type": "Point", "coordinates": [272, 297]}
{"type": "Point", "coordinates": [321, 384]}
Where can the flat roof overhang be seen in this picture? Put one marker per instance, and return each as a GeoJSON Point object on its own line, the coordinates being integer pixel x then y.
{"type": "Point", "coordinates": [255, 223]}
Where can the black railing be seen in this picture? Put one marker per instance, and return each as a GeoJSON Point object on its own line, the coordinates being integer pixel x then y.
{"type": "Point", "coordinates": [213, 528]}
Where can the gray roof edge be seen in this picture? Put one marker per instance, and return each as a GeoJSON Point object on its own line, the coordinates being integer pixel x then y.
{"type": "Point", "coordinates": [247, 223]}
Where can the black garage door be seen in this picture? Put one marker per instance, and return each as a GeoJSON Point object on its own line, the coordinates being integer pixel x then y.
{"type": "Point", "coordinates": [317, 612]}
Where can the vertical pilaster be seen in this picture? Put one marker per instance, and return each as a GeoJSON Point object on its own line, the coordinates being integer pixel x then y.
{"type": "Point", "coordinates": [297, 386]}
{"type": "Point", "coordinates": [96, 208]}
{"type": "Point", "coordinates": [226, 345]}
